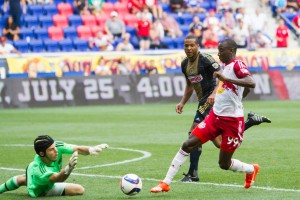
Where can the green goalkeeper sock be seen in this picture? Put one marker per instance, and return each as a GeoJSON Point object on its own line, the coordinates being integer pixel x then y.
{"type": "Point", "coordinates": [9, 185]}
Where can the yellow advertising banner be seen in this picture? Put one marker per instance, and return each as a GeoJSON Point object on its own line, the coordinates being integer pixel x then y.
{"type": "Point", "coordinates": [88, 64]}
{"type": "Point", "coordinates": [20, 65]}
{"type": "Point", "coordinates": [139, 64]}
{"type": "Point", "coordinates": [267, 59]}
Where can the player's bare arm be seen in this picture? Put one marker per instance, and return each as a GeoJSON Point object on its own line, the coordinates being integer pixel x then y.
{"type": "Point", "coordinates": [59, 177]}
{"type": "Point", "coordinates": [82, 150]}
{"type": "Point", "coordinates": [90, 150]}
{"type": "Point", "coordinates": [187, 94]}
{"type": "Point", "coordinates": [246, 92]}
{"type": "Point", "coordinates": [247, 81]}
{"type": "Point", "coordinates": [65, 173]}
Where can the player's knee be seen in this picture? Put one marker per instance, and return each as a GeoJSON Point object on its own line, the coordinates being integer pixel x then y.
{"type": "Point", "coordinates": [224, 166]}
{"type": "Point", "coordinates": [79, 190]}
{"type": "Point", "coordinates": [21, 180]}
{"type": "Point", "coordinates": [74, 189]}
{"type": "Point", "coordinates": [185, 146]}
{"type": "Point", "coordinates": [189, 145]}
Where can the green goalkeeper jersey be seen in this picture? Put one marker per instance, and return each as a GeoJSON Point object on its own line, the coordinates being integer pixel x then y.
{"type": "Point", "coordinates": [38, 173]}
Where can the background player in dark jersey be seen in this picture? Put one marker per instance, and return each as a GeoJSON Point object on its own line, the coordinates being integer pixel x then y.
{"type": "Point", "coordinates": [198, 69]}
{"type": "Point", "coordinates": [45, 175]}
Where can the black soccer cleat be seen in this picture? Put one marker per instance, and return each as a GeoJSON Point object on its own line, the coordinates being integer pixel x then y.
{"type": "Point", "coordinates": [189, 178]}
{"type": "Point", "coordinates": [256, 119]}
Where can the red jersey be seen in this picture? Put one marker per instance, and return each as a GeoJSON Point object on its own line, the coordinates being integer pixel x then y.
{"type": "Point", "coordinates": [135, 4]}
{"type": "Point", "coordinates": [282, 32]}
{"type": "Point", "coordinates": [143, 28]}
{"type": "Point", "coordinates": [296, 21]}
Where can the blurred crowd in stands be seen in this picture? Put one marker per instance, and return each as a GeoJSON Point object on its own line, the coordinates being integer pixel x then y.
{"type": "Point", "coordinates": [126, 25]}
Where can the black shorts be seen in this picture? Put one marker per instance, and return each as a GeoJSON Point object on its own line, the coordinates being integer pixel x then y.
{"type": "Point", "coordinates": [117, 35]}
{"type": "Point", "coordinates": [143, 38]}
{"type": "Point", "coordinates": [202, 112]}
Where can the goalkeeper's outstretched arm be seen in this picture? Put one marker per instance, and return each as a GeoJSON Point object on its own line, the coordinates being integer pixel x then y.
{"type": "Point", "coordinates": [90, 150]}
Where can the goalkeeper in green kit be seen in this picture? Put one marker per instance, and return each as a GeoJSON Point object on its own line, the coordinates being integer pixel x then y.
{"type": "Point", "coordinates": [45, 175]}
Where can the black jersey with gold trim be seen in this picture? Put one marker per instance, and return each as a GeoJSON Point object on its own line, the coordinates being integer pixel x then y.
{"type": "Point", "coordinates": [200, 74]}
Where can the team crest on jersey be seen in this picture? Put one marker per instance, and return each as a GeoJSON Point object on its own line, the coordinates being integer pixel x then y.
{"type": "Point", "coordinates": [202, 125]}
{"type": "Point", "coordinates": [195, 79]}
{"type": "Point", "coordinates": [215, 65]}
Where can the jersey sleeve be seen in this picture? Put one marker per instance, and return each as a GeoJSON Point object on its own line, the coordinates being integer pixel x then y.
{"type": "Point", "coordinates": [211, 63]}
{"type": "Point", "coordinates": [241, 70]}
{"type": "Point", "coordinates": [184, 66]}
{"type": "Point", "coordinates": [64, 148]}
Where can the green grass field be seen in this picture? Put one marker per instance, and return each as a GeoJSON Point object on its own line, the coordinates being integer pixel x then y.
{"type": "Point", "coordinates": [137, 131]}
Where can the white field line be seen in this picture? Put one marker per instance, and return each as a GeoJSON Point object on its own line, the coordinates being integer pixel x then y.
{"type": "Point", "coordinates": [146, 155]}
{"type": "Point", "coordinates": [16, 145]}
{"type": "Point", "coordinates": [156, 180]}
{"type": "Point", "coordinates": [196, 183]}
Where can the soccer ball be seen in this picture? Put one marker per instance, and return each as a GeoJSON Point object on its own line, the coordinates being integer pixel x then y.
{"type": "Point", "coordinates": [131, 184]}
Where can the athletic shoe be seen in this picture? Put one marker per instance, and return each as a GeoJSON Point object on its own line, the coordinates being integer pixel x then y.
{"type": "Point", "coordinates": [251, 178]}
{"type": "Point", "coordinates": [161, 187]}
{"type": "Point", "coordinates": [189, 178]}
{"type": "Point", "coordinates": [256, 119]}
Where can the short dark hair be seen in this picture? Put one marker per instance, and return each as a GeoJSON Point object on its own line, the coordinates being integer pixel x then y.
{"type": "Point", "coordinates": [191, 36]}
{"type": "Point", "coordinates": [230, 43]}
{"type": "Point", "coordinates": [42, 143]}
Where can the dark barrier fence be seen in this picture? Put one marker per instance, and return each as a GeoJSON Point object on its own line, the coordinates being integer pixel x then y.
{"type": "Point", "coordinates": [131, 89]}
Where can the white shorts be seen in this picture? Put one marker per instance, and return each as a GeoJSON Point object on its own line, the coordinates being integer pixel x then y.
{"type": "Point", "coordinates": [57, 189]}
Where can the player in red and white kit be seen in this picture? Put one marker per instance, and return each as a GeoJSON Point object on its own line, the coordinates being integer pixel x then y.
{"type": "Point", "coordinates": [226, 119]}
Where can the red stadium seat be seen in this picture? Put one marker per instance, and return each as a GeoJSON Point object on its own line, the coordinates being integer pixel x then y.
{"type": "Point", "coordinates": [55, 33]}
{"type": "Point", "coordinates": [65, 9]}
{"type": "Point", "coordinates": [121, 8]}
{"type": "Point", "coordinates": [130, 20]}
{"type": "Point", "coordinates": [107, 7]}
{"type": "Point", "coordinates": [101, 19]}
{"type": "Point", "coordinates": [88, 20]}
{"type": "Point", "coordinates": [84, 32]}
{"type": "Point", "coordinates": [60, 21]}
{"type": "Point", "coordinates": [96, 29]}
